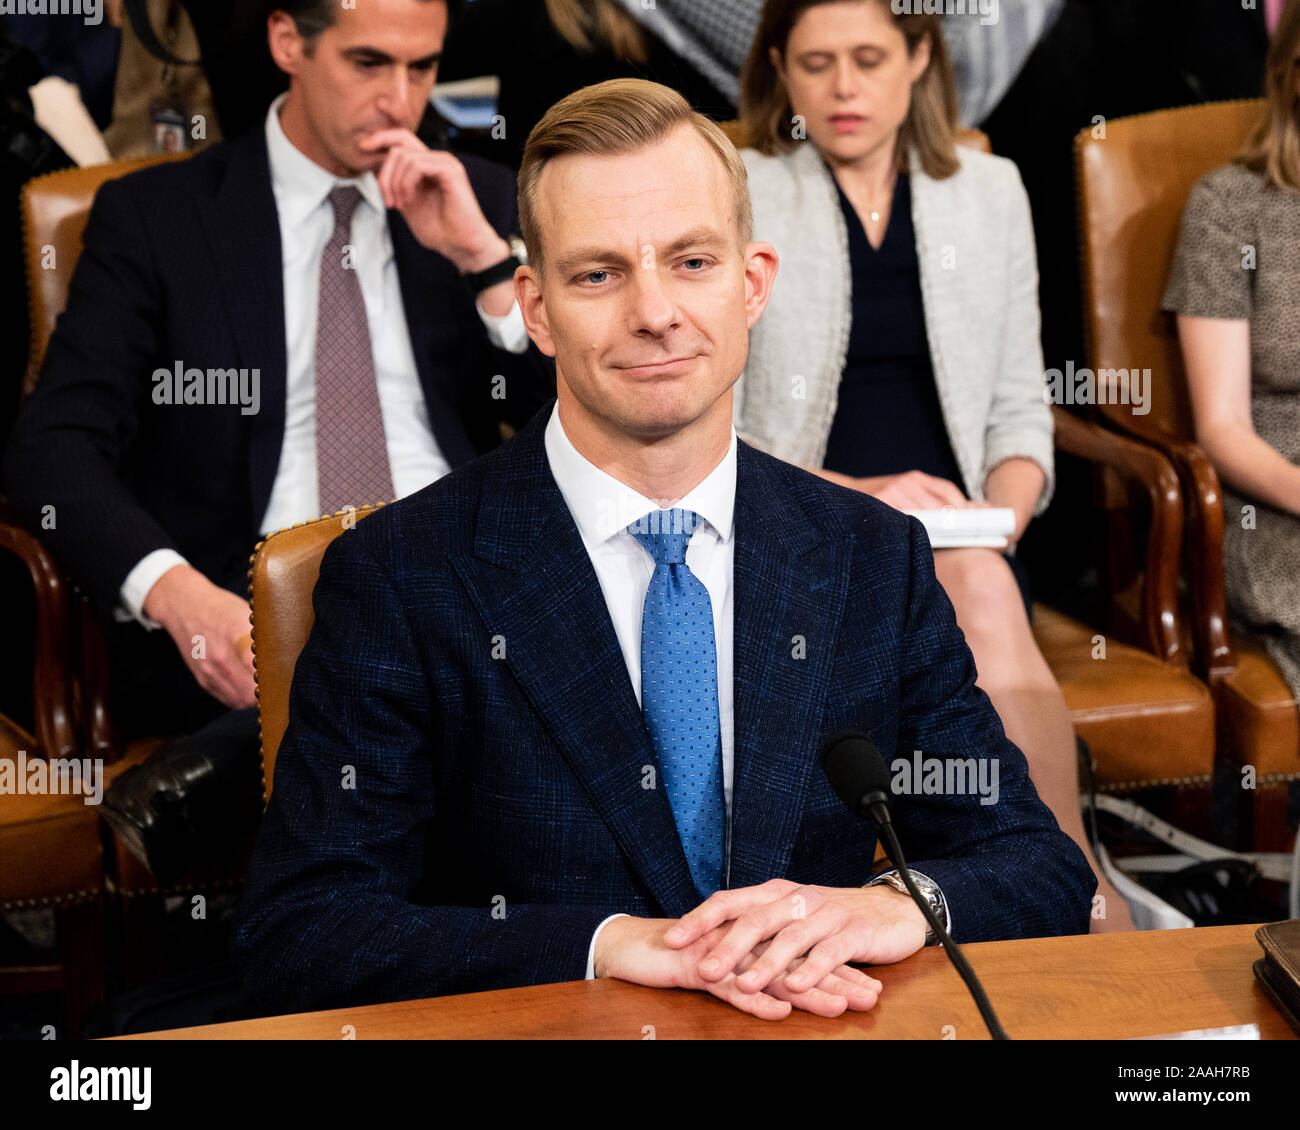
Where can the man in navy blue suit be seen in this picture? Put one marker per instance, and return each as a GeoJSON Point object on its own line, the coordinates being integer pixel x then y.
{"type": "Point", "coordinates": [365, 340]}
{"type": "Point", "coordinates": [559, 712]}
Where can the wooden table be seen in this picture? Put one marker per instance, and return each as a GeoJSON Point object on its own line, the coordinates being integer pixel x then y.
{"type": "Point", "coordinates": [1106, 986]}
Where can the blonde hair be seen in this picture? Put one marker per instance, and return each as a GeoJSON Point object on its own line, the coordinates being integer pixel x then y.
{"type": "Point", "coordinates": [619, 116]}
{"type": "Point", "coordinates": [1273, 147]}
{"type": "Point", "coordinates": [931, 123]}
{"type": "Point", "coordinates": [587, 26]}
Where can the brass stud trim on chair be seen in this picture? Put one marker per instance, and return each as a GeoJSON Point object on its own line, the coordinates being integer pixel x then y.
{"type": "Point", "coordinates": [174, 891]}
{"type": "Point", "coordinates": [1199, 780]}
{"type": "Point", "coordinates": [355, 512]}
{"type": "Point", "coordinates": [67, 899]}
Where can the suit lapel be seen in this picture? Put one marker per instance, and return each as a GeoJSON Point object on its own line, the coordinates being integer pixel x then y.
{"type": "Point", "coordinates": [244, 232]}
{"type": "Point", "coordinates": [790, 583]}
{"type": "Point", "coordinates": [423, 276]}
{"type": "Point", "coordinates": [533, 583]}
{"type": "Point", "coordinates": [419, 311]}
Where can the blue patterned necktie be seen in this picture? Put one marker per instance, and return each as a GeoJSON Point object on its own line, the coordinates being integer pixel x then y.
{"type": "Point", "coordinates": [679, 692]}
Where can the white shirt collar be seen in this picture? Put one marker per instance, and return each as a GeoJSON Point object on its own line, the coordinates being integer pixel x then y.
{"type": "Point", "coordinates": [603, 507]}
{"type": "Point", "coordinates": [301, 185]}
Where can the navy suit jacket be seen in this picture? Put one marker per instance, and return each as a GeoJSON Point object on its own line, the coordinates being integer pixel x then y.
{"type": "Point", "coordinates": [464, 677]}
{"type": "Point", "coordinates": [182, 262]}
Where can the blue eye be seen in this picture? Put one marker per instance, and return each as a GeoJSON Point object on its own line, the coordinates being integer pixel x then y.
{"type": "Point", "coordinates": [591, 275]}
{"type": "Point", "coordinates": [699, 261]}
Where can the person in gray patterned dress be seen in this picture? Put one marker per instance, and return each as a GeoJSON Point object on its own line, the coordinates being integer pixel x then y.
{"type": "Point", "coordinates": [1235, 286]}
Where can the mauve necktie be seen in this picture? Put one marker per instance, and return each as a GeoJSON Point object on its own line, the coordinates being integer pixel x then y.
{"type": "Point", "coordinates": [351, 455]}
{"type": "Point", "coordinates": [679, 692]}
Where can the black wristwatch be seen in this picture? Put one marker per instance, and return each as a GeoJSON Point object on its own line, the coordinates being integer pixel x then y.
{"type": "Point", "coordinates": [479, 281]}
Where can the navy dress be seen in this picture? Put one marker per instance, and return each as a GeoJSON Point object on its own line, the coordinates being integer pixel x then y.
{"type": "Point", "coordinates": [888, 419]}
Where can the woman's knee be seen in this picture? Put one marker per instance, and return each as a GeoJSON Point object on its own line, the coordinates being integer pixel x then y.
{"type": "Point", "coordinates": [983, 591]}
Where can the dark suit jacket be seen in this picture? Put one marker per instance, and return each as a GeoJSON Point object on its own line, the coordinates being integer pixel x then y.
{"type": "Point", "coordinates": [464, 665]}
{"type": "Point", "coordinates": [182, 262]}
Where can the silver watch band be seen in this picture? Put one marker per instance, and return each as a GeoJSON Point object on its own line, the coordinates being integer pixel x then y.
{"type": "Point", "coordinates": [929, 891]}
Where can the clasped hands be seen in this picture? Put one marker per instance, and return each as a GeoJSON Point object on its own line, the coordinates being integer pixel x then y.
{"type": "Point", "coordinates": [772, 948]}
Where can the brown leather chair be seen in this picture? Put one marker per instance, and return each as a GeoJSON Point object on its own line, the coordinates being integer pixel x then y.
{"type": "Point", "coordinates": [1133, 185]}
{"type": "Point", "coordinates": [281, 578]}
{"type": "Point", "coordinates": [54, 210]}
{"type": "Point", "coordinates": [50, 844]}
{"type": "Point", "coordinates": [1147, 719]}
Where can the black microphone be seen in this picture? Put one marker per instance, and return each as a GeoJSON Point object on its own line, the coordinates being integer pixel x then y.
{"type": "Point", "coordinates": [857, 773]}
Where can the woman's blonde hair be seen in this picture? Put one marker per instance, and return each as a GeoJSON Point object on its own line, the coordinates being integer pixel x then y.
{"type": "Point", "coordinates": [766, 114]}
{"type": "Point", "coordinates": [589, 25]}
{"type": "Point", "coordinates": [1273, 148]}
{"type": "Point", "coordinates": [619, 116]}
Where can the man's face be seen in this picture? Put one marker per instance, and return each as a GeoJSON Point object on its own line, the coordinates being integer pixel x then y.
{"type": "Point", "coordinates": [372, 69]}
{"type": "Point", "coordinates": [646, 295]}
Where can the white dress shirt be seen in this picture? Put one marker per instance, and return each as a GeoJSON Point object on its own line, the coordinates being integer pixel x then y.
{"type": "Point", "coordinates": [302, 189]}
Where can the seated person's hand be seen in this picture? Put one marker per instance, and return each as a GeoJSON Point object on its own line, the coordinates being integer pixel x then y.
{"type": "Point", "coordinates": [830, 926]}
{"type": "Point", "coordinates": [914, 490]}
{"type": "Point", "coordinates": [432, 191]}
{"type": "Point", "coordinates": [633, 949]}
{"type": "Point", "coordinates": [209, 626]}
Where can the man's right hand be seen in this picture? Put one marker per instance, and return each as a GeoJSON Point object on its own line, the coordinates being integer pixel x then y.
{"type": "Point", "coordinates": [206, 623]}
{"type": "Point", "coordinates": [633, 949]}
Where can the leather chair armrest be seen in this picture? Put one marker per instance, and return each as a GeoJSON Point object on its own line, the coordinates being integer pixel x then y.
{"type": "Point", "coordinates": [1150, 469]}
{"type": "Point", "coordinates": [1216, 657]}
{"type": "Point", "coordinates": [1200, 481]}
{"type": "Point", "coordinates": [98, 729]}
{"type": "Point", "coordinates": [56, 731]}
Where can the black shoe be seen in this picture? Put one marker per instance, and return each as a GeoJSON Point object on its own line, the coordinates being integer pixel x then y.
{"type": "Point", "coordinates": [151, 809]}
{"type": "Point", "coordinates": [194, 802]}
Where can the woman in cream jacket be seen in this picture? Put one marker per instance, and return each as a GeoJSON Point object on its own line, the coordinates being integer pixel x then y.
{"type": "Point", "coordinates": [899, 353]}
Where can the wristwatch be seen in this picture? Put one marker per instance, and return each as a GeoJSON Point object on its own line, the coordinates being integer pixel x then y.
{"type": "Point", "coordinates": [929, 891]}
{"type": "Point", "coordinates": [479, 281]}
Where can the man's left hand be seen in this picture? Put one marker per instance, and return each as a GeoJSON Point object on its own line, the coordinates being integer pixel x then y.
{"type": "Point", "coordinates": [432, 191]}
{"type": "Point", "coordinates": [832, 926]}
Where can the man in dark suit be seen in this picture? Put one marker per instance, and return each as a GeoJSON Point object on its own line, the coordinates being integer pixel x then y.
{"type": "Point", "coordinates": [319, 315]}
{"type": "Point", "coordinates": [559, 712]}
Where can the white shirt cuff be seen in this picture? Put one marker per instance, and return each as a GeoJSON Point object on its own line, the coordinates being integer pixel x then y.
{"type": "Point", "coordinates": [146, 574]}
{"type": "Point", "coordinates": [505, 331]}
{"type": "Point", "coordinates": [591, 952]}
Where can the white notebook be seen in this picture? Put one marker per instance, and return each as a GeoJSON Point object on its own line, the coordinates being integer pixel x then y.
{"type": "Point", "coordinates": [956, 527]}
